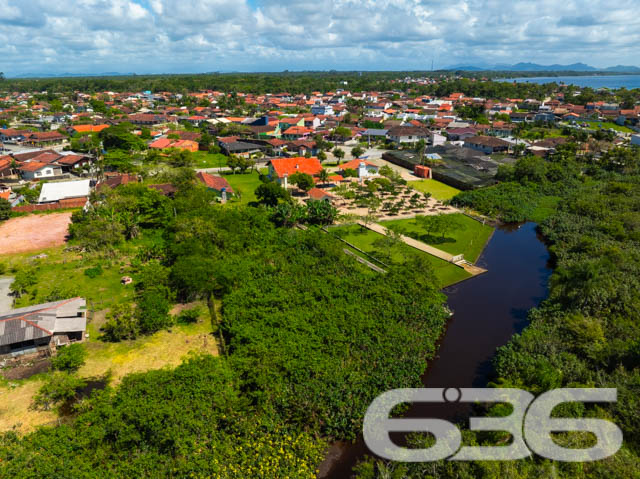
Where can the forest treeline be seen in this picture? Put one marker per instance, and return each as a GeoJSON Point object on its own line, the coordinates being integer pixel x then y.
{"type": "Point", "coordinates": [472, 84]}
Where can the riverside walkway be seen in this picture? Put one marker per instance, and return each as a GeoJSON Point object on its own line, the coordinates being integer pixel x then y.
{"type": "Point", "coordinates": [438, 253]}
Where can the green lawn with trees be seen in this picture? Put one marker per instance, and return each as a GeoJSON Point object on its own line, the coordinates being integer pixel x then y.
{"type": "Point", "coordinates": [204, 159]}
{"type": "Point", "coordinates": [460, 234]}
{"type": "Point", "coordinates": [386, 250]}
{"type": "Point", "coordinates": [244, 185]}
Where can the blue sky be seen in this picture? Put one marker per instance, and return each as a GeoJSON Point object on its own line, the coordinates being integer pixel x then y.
{"type": "Point", "coordinates": [158, 36]}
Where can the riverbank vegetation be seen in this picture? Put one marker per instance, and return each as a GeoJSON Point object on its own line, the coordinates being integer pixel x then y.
{"type": "Point", "coordinates": [586, 334]}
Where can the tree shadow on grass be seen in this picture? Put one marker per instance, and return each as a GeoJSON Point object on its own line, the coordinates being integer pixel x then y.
{"type": "Point", "coordinates": [433, 239]}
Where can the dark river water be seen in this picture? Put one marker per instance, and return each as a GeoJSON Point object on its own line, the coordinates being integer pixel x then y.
{"type": "Point", "coordinates": [488, 310]}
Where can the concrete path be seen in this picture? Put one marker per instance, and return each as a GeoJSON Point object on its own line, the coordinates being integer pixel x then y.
{"type": "Point", "coordinates": [419, 245]}
{"type": "Point", "coordinates": [6, 301]}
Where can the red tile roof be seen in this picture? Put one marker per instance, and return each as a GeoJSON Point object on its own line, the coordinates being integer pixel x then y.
{"type": "Point", "coordinates": [319, 194]}
{"type": "Point", "coordinates": [33, 166]}
{"type": "Point", "coordinates": [214, 182]}
{"type": "Point", "coordinates": [89, 128]}
{"type": "Point", "coordinates": [298, 164]}
{"type": "Point", "coordinates": [355, 164]}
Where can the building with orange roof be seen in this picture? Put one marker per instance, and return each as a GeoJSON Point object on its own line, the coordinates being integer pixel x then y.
{"type": "Point", "coordinates": [297, 132]}
{"type": "Point", "coordinates": [89, 128]}
{"type": "Point", "coordinates": [281, 169]}
{"type": "Point", "coordinates": [364, 168]}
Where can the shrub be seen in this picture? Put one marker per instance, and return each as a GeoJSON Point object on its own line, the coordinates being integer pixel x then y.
{"type": "Point", "coordinates": [93, 272]}
{"type": "Point", "coordinates": [61, 387]}
{"type": "Point", "coordinates": [69, 358]}
{"type": "Point", "coordinates": [189, 316]}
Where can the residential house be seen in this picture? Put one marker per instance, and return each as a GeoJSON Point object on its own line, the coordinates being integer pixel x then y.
{"type": "Point", "coordinates": [114, 179]}
{"type": "Point", "coordinates": [319, 194]}
{"type": "Point", "coordinates": [635, 140]}
{"type": "Point", "coordinates": [545, 116]}
{"type": "Point", "coordinates": [215, 183]}
{"type": "Point", "coordinates": [487, 144]}
{"type": "Point", "coordinates": [43, 138]}
{"type": "Point", "coordinates": [37, 171]}
{"type": "Point", "coordinates": [375, 134]}
{"type": "Point", "coordinates": [241, 148]}
{"type": "Point", "coordinates": [88, 128]}
{"type": "Point", "coordinates": [517, 117]}
{"type": "Point", "coordinates": [407, 134]}
{"type": "Point", "coordinates": [73, 162]}
{"type": "Point", "coordinates": [42, 328]}
{"type": "Point", "coordinates": [502, 128]}
{"type": "Point", "coordinates": [280, 169]}
{"type": "Point", "coordinates": [13, 136]}
{"type": "Point", "coordinates": [6, 170]}
{"type": "Point", "coordinates": [319, 109]}
{"type": "Point", "coordinates": [297, 133]}
{"type": "Point", "coordinates": [63, 190]}
{"type": "Point", "coordinates": [364, 168]}
{"type": "Point", "coordinates": [460, 134]}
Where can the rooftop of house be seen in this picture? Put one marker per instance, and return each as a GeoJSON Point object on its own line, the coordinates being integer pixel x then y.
{"type": "Point", "coordinates": [214, 182]}
{"type": "Point", "coordinates": [298, 164]}
{"type": "Point", "coordinates": [42, 320]}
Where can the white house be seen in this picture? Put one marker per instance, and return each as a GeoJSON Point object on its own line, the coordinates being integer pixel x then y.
{"type": "Point", "coordinates": [364, 168]}
{"type": "Point", "coordinates": [318, 109]}
{"type": "Point", "coordinates": [39, 171]}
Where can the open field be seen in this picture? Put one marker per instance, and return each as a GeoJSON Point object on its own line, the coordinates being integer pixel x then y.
{"type": "Point", "coordinates": [605, 125]}
{"type": "Point", "coordinates": [33, 232]}
{"type": "Point", "coordinates": [205, 159]}
{"type": "Point", "coordinates": [245, 184]}
{"type": "Point", "coordinates": [163, 349]}
{"type": "Point", "coordinates": [368, 241]}
{"type": "Point", "coordinates": [438, 190]}
{"type": "Point", "coordinates": [61, 273]}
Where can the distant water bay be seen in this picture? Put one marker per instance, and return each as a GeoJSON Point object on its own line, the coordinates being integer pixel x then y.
{"type": "Point", "coordinates": [605, 81]}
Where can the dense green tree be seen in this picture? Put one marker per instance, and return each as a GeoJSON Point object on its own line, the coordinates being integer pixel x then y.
{"type": "Point", "coordinates": [271, 194]}
{"type": "Point", "coordinates": [69, 358]}
{"type": "Point", "coordinates": [303, 181]}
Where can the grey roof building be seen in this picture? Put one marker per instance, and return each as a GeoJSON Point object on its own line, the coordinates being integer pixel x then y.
{"type": "Point", "coordinates": [41, 327]}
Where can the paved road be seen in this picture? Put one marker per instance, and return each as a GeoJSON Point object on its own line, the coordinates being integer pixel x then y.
{"type": "Point", "coordinates": [6, 301]}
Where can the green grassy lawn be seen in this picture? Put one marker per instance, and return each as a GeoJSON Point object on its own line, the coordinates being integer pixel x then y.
{"type": "Point", "coordinates": [438, 190]}
{"type": "Point", "coordinates": [61, 275]}
{"type": "Point", "coordinates": [244, 184]}
{"type": "Point", "coordinates": [205, 159]}
{"type": "Point", "coordinates": [468, 239]}
{"type": "Point", "coordinates": [445, 273]}
{"type": "Point", "coordinates": [606, 125]}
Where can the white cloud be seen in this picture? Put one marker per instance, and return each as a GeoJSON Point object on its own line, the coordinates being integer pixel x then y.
{"type": "Point", "coordinates": [204, 35]}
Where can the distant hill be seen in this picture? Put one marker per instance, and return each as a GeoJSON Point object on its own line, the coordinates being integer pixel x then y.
{"type": "Point", "coordinates": [535, 67]}
{"type": "Point", "coordinates": [623, 68]}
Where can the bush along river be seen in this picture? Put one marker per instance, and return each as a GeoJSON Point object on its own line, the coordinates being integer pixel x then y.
{"type": "Point", "coordinates": [487, 311]}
